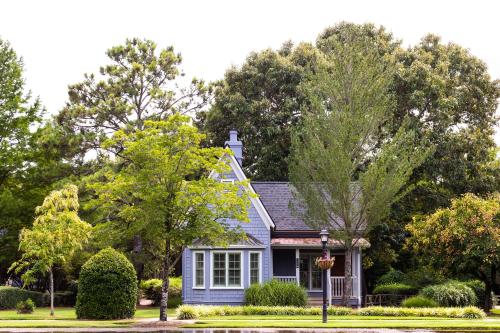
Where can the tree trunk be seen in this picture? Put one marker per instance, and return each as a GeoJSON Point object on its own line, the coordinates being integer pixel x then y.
{"type": "Point", "coordinates": [51, 291]}
{"type": "Point", "coordinates": [165, 284]}
{"type": "Point", "coordinates": [346, 295]}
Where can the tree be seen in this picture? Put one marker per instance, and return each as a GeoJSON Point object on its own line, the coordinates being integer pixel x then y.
{"type": "Point", "coordinates": [262, 100]}
{"type": "Point", "coordinates": [462, 239]}
{"type": "Point", "coordinates": [56, 234]}
{"type": "Point", "coordinates": [160, 189]}
{"type": "Point", "coordinates": [18, 116]}
{"type": "Point", "coordinates": [345, 180]}
{"type": "Point", "coordinates": [138, 85]}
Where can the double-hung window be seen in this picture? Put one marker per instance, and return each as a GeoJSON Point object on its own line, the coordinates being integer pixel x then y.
{"type": "Point", "coordinates": [227, 269]}
{"type": "Point", "coordinates": [198, 269]}
{"type": "Point", "coordinates": [254, 267]}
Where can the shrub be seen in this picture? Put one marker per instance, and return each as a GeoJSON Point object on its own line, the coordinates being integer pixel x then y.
{"type": "Point", "coordinates": [392, 276]}
{"type": "Point", "coordinates": [450, 294]}
{"type": "Point", "coordinates": [27, 306]}
{"type": "Point", "coordinates": [107, 288]}
{"type": "Point", "coordinates": [276, 293]}
{"type": "Point", "coordinates": [479, 290]}
{"type": "Point", "coordinates": [203, 311]}
{"type": "Point", "coordinates": [395, 289]}
{"type": "Point", "coordinates": [186, 312]}
{"type": "Point", "coordinates": [419, 302]}
{"type": "Point", "coordinates": [423, 277]}
{"type": "Point", "coordinates": [151, 289]}
{"type": "Point", "coordinates": [10, 296]}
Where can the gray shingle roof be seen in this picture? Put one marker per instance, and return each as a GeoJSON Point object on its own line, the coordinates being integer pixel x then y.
{"type": "Point", "coordinates": [276, 197]}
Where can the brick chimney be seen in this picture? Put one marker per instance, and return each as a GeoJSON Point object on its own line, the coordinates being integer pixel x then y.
{"type": "Point", "coordinates": [235, 145]}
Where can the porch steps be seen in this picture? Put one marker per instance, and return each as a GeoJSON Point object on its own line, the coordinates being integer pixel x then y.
{"type": "Point", "coordinates": [315, 301]}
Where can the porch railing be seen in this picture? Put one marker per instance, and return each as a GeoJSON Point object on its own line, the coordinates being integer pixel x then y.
{"type": "Point", "coordinates": [337, 285]}
{"type": "Point", "coordinates": [288, 279]}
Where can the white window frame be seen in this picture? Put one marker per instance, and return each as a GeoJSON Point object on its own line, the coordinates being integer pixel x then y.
{"type": "Point", "coordinates": [226, 253]}
{"type": "Point", "coordinates": [259, 253]}
{"type": "Point", "coordinates": [194, 270]}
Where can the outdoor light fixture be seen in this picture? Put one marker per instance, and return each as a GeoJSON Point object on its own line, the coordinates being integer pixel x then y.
{"type": "Point", "coordinates": [324, 240]}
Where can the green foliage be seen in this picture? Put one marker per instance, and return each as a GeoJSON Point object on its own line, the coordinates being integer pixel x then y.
{"type": "Point", "coordinates": [479, 289]}
{"type": "Point", "coordinates": [450, 294]}
{"type": "Point", "coordinates": [19, 193]}
{"type": "Point", "coordinates": [151, 289]}
{"type": "Point", "coordinates": [160, 189]}
{"type": "Point", "coordinates": [65, 298]}
{"type": "Point", "coordinates": [419, 302]}
{"type": "Point", "coordinates": [27, 306]}
{"type": "Point", "coordinates": [345, 179]}
{"type": "Point", "coordinates": [395, 289]}
{"type": "Point", "coordinates": [203, 311]}
{"type": "Point", "coordinates": [392, 276]}
{"type": "Point", "coordinates": [276, 293]}
{"type": "Point", "coordinates": [467, 312]}
{"type": "Point", "coordinates": [440, 238]}
{"type": "Point", "coordinates": [10, 296]}
{"type": "Point", "coordinates": [107, 288]}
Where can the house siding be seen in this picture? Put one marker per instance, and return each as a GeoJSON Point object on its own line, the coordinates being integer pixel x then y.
{"type": "Point", "coordinates": [258, 229]}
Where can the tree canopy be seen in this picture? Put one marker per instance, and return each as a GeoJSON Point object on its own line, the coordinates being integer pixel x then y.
{"type": "Point", "coordinates": [462, 239]}
{"type": "Point", "coordinates": [160, 189]}
{"type": "Point", "coordinates": [345, 180]}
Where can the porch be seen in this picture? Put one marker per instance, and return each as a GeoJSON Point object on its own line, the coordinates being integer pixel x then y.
{"type": "Point", "coordinates": [297, 266]}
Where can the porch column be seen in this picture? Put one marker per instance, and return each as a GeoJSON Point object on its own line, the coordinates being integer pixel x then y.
{"type": "Point", "coordinates": [358, 275]}
{"type": "Point", "coordinates": [297, 266]}
{"type": "Point", "coordinates": [329, 281]}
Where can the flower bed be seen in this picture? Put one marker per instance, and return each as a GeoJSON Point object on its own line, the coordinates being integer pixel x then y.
{"type": "Point", "coordinates": [200, 311]}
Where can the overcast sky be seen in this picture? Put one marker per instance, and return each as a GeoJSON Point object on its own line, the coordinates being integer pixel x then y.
{"type": "Point", "coordinates": [61, 40]}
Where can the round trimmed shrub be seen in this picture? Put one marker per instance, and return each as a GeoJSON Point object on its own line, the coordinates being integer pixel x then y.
{"type": "Point", "coordinates": [419, 302]}
{"type": "Point", "coordinates": [107, 288]}
{"type": "Point", "coordinates": [450, 294]}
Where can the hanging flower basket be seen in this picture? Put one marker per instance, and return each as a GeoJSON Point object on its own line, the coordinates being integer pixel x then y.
{"type": "Point", "coordinates": [324, 263]}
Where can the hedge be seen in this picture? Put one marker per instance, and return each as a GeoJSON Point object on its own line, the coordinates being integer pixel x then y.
{"type": "Point", "coordinates": [452, 293]}
{"type": "Point", "coordinates": [200, 311]}
{"type": "Point", "coordinates": [395, 289]}
{"type": "Point", "coordinates": [107, 288]}
{"type": "Point", "coordinates": [10, 296]}
{"type": "Point", "coordinates": [276, 293]}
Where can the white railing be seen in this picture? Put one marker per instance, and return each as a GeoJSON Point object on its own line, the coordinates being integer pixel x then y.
{"type": "Point", "coordinates": [337, 284]}
{"type": "Point", "coordinates": [288, 279]}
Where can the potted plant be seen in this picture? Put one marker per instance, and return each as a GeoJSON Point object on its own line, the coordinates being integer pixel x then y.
{"type": "Point", "coordinates": [324, 262]}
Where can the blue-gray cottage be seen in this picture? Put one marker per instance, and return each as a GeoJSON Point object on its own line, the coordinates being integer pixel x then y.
{"type": "Point", "coordinates": [279, 245]}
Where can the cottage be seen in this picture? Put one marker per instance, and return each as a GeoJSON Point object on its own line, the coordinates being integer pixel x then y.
{"type": "Point", "coordinates": [279, 245]}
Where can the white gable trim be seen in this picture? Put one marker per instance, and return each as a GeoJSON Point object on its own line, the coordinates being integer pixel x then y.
{"type": "Point", "coordinates": [238, 171]}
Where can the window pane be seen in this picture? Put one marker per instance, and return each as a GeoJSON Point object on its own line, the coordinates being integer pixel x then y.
{"type": "Point", "coordinates": [234, 271]}
{"type": "Point", "coordinates": [219, 269]}
{"type": "Point", "coordinates": [254, 268]}
{"type": "Point", "coordinates": [199, 274]}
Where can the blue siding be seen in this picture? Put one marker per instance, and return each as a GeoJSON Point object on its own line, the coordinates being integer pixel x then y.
{"type": "Point", "coordinates": [257, 228]}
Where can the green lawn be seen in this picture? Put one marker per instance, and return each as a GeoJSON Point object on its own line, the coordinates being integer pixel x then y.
{"type": "Point", "coordinates": [66, 317]}
{"type": "Point", "coordinates": [365, 322]}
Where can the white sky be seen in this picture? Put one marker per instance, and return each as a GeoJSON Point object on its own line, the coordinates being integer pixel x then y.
{"type": "Point", "coordinates": [61, 40]}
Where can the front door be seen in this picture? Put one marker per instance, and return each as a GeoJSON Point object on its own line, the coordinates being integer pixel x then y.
{"type": "Point", "coordinates": [310, 274]}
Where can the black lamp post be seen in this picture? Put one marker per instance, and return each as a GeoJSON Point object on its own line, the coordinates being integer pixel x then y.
{"type": "Point", "coordinates": [324, 239]}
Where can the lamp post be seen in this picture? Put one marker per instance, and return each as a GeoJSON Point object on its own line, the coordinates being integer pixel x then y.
{"type": "Point", "coordinates": [324, 239]}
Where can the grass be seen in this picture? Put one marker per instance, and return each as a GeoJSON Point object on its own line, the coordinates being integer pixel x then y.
{"type": "Point", "coordinates": [366, 322]}
{"type": "Point", "coordinates": [66, 317]}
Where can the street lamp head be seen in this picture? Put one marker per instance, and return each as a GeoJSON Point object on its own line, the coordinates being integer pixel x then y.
{"type": "Point", "coordinates": [324, 235]}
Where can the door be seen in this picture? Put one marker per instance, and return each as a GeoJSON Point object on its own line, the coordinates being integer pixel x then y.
{"type": "Point", "coordinates": [310, 274]}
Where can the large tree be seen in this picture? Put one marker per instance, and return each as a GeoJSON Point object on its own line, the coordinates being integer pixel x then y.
{"type": "Point", "coordinates": [345, 178]}
{"type": "Point", "coordinates": [56, 234]}
{"type": "Point", "coordinates": [141, 82]}
{"type": "Point", "coordinates": [160, 189]}
{"type": "Point", "coordinates": [462, 239]}
{"type": "Point", "coordinates": [19, 116]}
